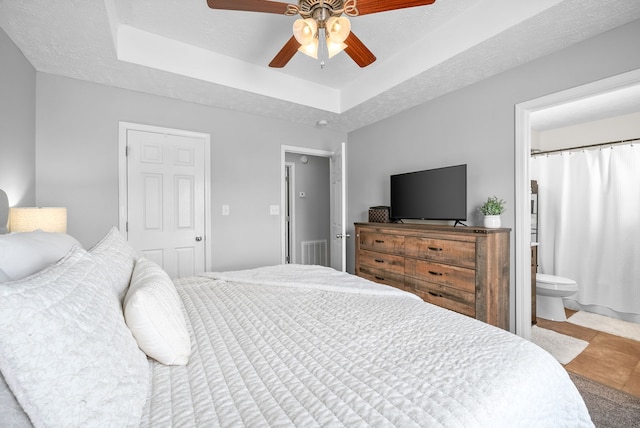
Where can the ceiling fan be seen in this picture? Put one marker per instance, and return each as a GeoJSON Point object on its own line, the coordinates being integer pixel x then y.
{"type": "Point", "coordinates": [321, 25]}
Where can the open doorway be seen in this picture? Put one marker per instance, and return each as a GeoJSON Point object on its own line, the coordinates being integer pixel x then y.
{"type": "Point", "coordinates": [307, 209]}
{"type": "Point", "coordinates": [524, 113]}
{"type": "Point", "coordinates": [290, 194]}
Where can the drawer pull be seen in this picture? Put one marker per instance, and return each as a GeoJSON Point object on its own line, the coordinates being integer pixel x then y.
{"type": "Point", "coordinates": [435, 294]}
{"type": "Point", "coordinates": [435, 248]}
{"type": "Point", "coordinates": [435, 273]}
{"type": "Point", "coordinates": [379, 278]}
{"type": "Point", "coordinates": [379, 261]}
{"type": "Point", "coordinates": [379, 241]}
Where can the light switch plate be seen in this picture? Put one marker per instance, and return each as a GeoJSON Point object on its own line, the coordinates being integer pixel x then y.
{"type": "Point", "coordinates": [274, 210]}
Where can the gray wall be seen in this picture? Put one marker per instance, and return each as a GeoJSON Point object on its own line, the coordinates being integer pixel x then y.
{"type": "Point", "coordinates": [312, 213]}
{"type": "Point", "coordinates": [475, 125]}
{"type": "Point", "coordinates": [76, 144]}
{"type": "Point", "coordinates": [17, 124]}
{"type": "Point", "coordinates": [77, 158]}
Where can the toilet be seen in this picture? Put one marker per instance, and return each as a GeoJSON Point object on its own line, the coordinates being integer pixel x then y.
{"type": "Point", "coordinates": [550, 290]}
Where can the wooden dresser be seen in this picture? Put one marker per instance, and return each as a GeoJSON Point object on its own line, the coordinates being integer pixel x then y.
{"type": "Point", "coordinates": [465, 269]}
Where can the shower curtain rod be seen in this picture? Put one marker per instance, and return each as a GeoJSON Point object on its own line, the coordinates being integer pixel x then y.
{"type": "Point", "coordinates": [590, 146]}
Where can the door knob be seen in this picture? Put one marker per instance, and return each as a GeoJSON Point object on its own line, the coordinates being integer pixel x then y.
{"type": "Point", "coordinates": [340, 235]}
{"type": "Point", "coordinates": [198, 238]}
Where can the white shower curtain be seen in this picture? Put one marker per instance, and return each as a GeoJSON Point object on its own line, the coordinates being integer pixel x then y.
{"type": "Point", "coordinates": [589, 225]}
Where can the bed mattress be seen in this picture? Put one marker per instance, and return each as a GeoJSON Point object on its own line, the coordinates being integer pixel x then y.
{"type": "Point", "coordinates": [309, 346]}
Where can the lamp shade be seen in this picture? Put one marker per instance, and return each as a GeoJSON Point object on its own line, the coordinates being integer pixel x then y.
{"type": "Point", "coordinates": [47, 219]}
{"type": "Point", "coordinates": [335, 48]}
{"type": "Point", "coordinates": [305, 30]}
{"type": "Point", "coordinates": [310, 49]}
{"type": "Point", "coordinates": [338, 29]}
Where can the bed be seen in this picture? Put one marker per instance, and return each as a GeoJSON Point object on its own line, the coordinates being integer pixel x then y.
{"type": "Point", "coordinates": [102, 337]}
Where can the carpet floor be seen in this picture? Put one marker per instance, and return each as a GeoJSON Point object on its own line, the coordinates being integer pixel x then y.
{"type": "Point", "coordinates": [608, 407]}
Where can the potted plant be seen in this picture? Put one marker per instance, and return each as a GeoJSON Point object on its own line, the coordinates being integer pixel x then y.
{"type": "Point", "coordinates": [492, 209]}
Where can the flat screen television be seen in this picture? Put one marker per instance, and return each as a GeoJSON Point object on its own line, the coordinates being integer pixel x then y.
{"type": "Point", "coordinates": [433, 194]}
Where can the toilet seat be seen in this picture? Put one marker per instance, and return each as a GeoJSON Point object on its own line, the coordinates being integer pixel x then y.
{"type": "Point", "coordinates": [553, 282]}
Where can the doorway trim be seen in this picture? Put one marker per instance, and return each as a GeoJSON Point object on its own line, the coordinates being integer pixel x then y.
{"type": "Point", "coordinates": [290, 206]}
{"type": "Point", "coordinates": [284, 149]}
{"type": "Point", "coordinates": [523, 112]}
{"type": "Point", "coordinates": [123, 128]}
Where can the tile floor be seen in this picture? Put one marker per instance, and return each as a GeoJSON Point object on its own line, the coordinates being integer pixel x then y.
{"type": "Point", "coordinates": [610, 360]}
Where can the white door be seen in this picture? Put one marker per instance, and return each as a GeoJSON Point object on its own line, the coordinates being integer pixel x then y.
{"type": "Point", "coordinates": [338, 210]}
{"type": "Point", "coordinates": [289, 210]}
{"type": "Point", "coordinates": [166, 200]}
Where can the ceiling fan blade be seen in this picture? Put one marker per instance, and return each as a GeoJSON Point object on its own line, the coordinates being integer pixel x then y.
{"type": "Point", "coordinates": [358, 51]}
{"type": "Point", "coordinates": [366, 7]}
{"type": "Point", "coordinates": [265, 6]}
{"type": "Point", "coordinates": [286, 53]}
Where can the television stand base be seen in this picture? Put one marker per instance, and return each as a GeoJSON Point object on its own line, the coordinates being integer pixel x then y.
{"type": "Point", "coordinates": [459, 222]}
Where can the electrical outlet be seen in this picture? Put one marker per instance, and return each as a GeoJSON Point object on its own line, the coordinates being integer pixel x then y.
{"type": "Point", "coordinates": [274, 210]}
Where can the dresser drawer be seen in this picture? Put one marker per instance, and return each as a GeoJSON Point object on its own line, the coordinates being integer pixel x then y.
{"type": "Point", "coordinates": [446, 297]}
{"type": "Point", "coordinates": [460, 278]}
{"type": "Point", "coordinates": [382, 261]}
{"type": "Point", "coordinates": [459, 253]}
{"type": "Point", "coordinates": [382, 277]}
{"type": "Point", "coordinates": [384, 242]}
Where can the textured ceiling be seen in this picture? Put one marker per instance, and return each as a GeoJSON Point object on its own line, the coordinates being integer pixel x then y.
{"type": "Point", "coordinates": [184, 50]}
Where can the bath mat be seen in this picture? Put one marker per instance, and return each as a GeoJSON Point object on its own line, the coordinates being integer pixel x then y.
{"type": "Point", "coordinates": [564, 348]}
{"type": "Point", "coordinates": [614, 326]}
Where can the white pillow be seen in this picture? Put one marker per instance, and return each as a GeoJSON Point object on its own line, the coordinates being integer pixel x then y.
{"type": "Point", "coordinates": [115, 254]}
{"type": "Point", "coordinates": [153, 312]}
{"type": "Point", "coordinates": [22, 254]}
{"type": "Point", "coordinates": [65, 350]}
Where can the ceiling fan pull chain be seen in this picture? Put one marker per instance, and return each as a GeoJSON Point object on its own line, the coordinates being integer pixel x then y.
{"type": "Point", "coordinates": [322, 48]}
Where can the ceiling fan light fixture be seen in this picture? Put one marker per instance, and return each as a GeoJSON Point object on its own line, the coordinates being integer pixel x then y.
{"type": "Point", "coordinates": [310, 49]}
{"type": "Point", "coordinates": [338, 29]}
{"type": "Point", "coordinates": [320, 16]}
{"type": "Point", "coordinates": [335, 48]}
{"type": "Point", "coordinates": [305, 30]}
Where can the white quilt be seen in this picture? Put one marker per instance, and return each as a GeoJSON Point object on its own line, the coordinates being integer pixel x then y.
{"type": "Point", "coordinates": [308, 352]}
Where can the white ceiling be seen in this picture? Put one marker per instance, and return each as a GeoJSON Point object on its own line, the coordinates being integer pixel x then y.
{"type": "Point", "coordinates": [599, 106]}
{"type": "Point", "coordinates": [184, 50]}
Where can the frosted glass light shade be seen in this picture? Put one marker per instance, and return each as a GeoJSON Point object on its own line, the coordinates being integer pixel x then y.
{"type": "Point", "coordinates": [338, 28]}
{"type": "Point", "coordinates": [305, 30]}
{"type": "Point", "coordinates": [310, 49]}
{"type": "Point", "coordinates": [334, 48]}
{"type": "Point", "coordinates": [28, 219]}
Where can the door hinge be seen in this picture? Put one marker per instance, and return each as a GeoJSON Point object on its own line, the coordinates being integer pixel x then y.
{"type": "Point", "coordinates": [126, 150]}
{"type": "Point", "coordinates": [126, 227]}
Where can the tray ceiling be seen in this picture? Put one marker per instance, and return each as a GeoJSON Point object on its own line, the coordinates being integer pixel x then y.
{"type": "Point", "coordinates": [184, 50]}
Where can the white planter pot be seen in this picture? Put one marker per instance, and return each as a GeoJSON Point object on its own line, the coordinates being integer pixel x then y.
{"type": "Point", "coordinates": [492, 221]}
